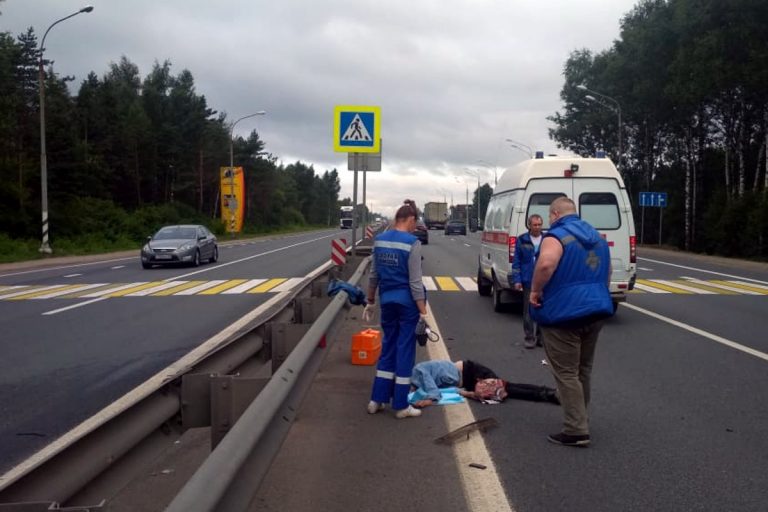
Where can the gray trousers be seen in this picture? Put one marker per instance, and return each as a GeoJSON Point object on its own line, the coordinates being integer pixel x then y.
{"type": "Point", "coordinates": [531, 328]}
{"type": "Point", "coordinates": [570, 353]}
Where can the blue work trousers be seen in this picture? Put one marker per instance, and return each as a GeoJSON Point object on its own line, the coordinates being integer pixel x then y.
{"type": "Point", "coordinates": [398, 354]}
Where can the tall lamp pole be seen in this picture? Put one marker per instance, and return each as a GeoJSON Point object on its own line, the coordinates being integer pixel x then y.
{"type": "Point", "coordinates": [466, 186]}
{"type": "Point", "coordinates": [614, 102]}
{"type": "Point", "coordinates": [45, 247]}
{"type": "Point", "coordinates": [476, 174]}
{"type": "Point", "coordinates": [233, 205]}
{"type": "Point", "coordinates": [522, 147]}
{"type": "Point", "coordinates": [489, 166]}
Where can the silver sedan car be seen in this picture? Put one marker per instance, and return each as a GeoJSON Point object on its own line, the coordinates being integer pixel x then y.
{"type": "Point", "coordinates": [189, 243]}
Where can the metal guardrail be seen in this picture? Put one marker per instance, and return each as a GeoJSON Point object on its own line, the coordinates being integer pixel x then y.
{"type": "Point", "coordinates": [230, 476]}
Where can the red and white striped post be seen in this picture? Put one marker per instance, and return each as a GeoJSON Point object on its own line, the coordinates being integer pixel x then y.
{"type": "Point", "coordinates": [368, 232]}
{"type": "Point", "coordinates": [339, 251]}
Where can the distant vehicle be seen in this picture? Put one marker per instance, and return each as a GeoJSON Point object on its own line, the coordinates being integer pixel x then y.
{"type": "Point", "coordinates": [421, 232]}
{"type": "Point", "coordinates": [189, 243]}
{"type": "Point", "coordinates": [435, 215]}
{"type": "Point", "coordinates": [601, 198]}
{"type": "Point", "coordinates": [346, 217]}
{"type": "Point", "coordinates": [456, 227]}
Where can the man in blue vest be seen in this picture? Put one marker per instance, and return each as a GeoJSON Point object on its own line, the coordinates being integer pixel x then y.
{"type": "Point", "coordinates": [396, 273]}
{"type": "Point", "coordinates": [571, 299]}
{"type": "Point", "coordinates": [523, 263]}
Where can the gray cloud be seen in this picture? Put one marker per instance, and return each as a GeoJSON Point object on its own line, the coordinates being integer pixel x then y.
{"type": "Point", "coordinates": [453, 78]}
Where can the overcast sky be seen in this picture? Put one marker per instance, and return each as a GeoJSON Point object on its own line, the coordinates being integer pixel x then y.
{"type": "Point", "coordinates": [453, 78]}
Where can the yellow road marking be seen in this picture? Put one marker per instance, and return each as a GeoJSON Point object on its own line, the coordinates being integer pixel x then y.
{"type": "Point", "coordinates": [171, 291]}
{"type": "Point", "coordinates": [225, 286]}
{"type": "Point", "coordinates": [265, 287]}
{"type": "Point", "coordinates": [80, 293]}
{"type": "Point", "coordinates": [134, 289]}
{"type": "Point", "coordinates": [447, 284]}
{"type": "Point", "coordinates": [43, 292]}
{"type": "Point", "coordinates": [660, 286]}
{"type": "Point", "coordinates": [761, 291]}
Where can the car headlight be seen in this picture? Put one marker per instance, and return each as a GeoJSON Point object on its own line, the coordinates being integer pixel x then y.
{"type": "Point", "coordinates": [147, 249]}
{"type": "Point", "coordinates": [187, 246]}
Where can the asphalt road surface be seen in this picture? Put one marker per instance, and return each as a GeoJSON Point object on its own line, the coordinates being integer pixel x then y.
{"type": "Point", "coordinates": [78, 336]}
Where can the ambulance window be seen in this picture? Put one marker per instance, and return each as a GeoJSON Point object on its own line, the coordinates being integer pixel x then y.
{"type": "Point", "coordinates": [489, 226]}
{"type": "Point", "coordinates": [539, 203]}
{"type": "Point", "coordinates": [506, 215]}
{"type": "Point", "coordinates": [600, 209]}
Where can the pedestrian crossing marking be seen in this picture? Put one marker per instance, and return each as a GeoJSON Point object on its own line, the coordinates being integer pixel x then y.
{"type": "Point", "coordinates": [682, 286]}
{"type": "Point", "coordinates": [265, 287]}
{"type": "Point", "coordinates": [144, 286]}
{"type": "Point", "coordinates": [446, 284]}
{"type": "Point", "coordinates": [177, 289]}
{"type": "Point", "coordinates": [223, 286]}
{"type": "Point", "coordinates": [356, 130]}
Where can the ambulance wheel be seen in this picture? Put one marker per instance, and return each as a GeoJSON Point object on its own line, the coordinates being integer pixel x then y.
{"type": "Point", "coordinates": [615, 307]}
{"type": "Point", "coordinates": [484, 288]}
{"type": "Point", "coordinates": [498, 305]}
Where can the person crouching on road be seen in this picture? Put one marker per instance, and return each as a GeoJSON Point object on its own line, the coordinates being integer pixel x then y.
{"type": "Point", "coordinates": [396, 272]}
{"type": "Point", "coordinates": [431, 376]}
{"type": "Point", "coordinates": [571, 299]}
{"type": "Point", "coordinates": [523, 263]}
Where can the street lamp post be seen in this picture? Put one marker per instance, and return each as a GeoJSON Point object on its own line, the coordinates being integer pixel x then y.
{"type": "Point", "coordinates": [489, 166]}
{"type": "Point", "coordinates": [466, 204]}
{"type": "Point", "coordinates": [522, 147]}
{"type": "Point", "coordinates": [615, 103]}
{"type": "Point", "coordinates": [476, 174]}
{"type": "Point", "coordinates": [232, 203]}
{"type": "Point", "coordinates": [45, 247]}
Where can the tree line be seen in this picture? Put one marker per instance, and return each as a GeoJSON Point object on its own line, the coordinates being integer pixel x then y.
{"type": "Point", "coordinates": [689, 79]}
{"type": "Point", "coordinates": [127, 153]}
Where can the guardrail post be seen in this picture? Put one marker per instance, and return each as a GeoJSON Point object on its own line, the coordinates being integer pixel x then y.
{"type": "Point", "coordinates": [230, 396]}
{"type": "Point", "coordinates": [283, 339]}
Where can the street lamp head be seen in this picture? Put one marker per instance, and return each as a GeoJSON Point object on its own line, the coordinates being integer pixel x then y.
{"type": "Point", "coordinates": [261, 113]}
{"type": "Point", "coordinates": [87, 8]}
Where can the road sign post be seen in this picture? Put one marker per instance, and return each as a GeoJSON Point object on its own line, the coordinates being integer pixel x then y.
{"type": "Point", "coordinates": [656, 200]}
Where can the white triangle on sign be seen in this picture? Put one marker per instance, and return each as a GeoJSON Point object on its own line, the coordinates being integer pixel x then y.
{"type": "Point", "coordinates": [356, 130]}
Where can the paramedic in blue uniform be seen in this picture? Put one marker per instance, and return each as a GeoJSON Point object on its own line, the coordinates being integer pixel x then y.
{"type": "Point", "coordinates": [571, 299]}
{"type": "Point", "coordinates": [396, 272]}
{"type": "Point", "coordinates": [526, 248]}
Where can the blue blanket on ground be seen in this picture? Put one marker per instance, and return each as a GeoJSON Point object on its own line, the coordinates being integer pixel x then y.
{"type": "Point", "coordinates": [447, 396]}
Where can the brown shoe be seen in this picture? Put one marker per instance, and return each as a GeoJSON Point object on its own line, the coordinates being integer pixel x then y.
{"type": "Point", "coordinates": [569, 439]}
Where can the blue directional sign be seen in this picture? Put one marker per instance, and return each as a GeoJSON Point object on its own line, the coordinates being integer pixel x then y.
{"type": "Point", "coordinates": [356, 128]}
{"type": "Point", "coordinates": [653, 199]}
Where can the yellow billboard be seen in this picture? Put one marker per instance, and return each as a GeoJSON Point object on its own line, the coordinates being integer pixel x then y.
{"type": "Point", "coordinates": [232, 198]}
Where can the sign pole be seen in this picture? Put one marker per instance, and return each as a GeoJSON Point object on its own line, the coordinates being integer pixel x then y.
{"type": "Point", "coordinates": [365, 210]}
{"type": "Point", "coordinates": [354, 203]}
{"type": "Point", "coordinates": [642, 223]}
{"type": "Point", "coordinates": [661, 219]}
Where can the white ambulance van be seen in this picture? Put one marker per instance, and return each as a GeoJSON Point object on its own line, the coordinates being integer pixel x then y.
{"type": "Point", "coordinates": [593, 184]}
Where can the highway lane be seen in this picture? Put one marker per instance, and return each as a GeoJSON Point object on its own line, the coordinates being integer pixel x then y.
{"type": "Point", "coordinates": [58, 369]}
{"type": "Point", "coordinates": [678, 419]}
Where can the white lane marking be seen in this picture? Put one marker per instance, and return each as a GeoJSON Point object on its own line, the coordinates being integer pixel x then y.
{"type": "Point", "coordinates": [112, 289]}
{"type": "Point", "coordinates": [73, 306]}
{"type": "Point", "coordinates": [73, 275]}
{"type": "Point", "coordinates": [650, 289]}
{"type": "Point", "coordinates": [11, 289]}
{"type": "Point", "coordinates": [467, 283]}
{"type": "Point", "coordinates": [468, 245]}
{"type": "Point", "coordinates": [701, 270]}
{"type": "Point", "coordinates": [700, 332]}
{"type": "Point", "coordinates": [691, 289]}
{"type": "Point", "coordinates": [117, 267]}
{"type": "Point", "coordinates": [31, 289]}
{"type": "Point", "coordinates": [753, 285]}
{"type": "Point", "coordinates": [645, 269]}
{"type": "Point", "coordinates": [242, 288]}
{"type": "Point", "coordinates": [48, 269]}
{"type": "Point", "coordinates": [429, 283]}
{"type": "Point", "coordinates": [201, 287]}
{"type": "Point", "coordinates": [68, 291]}
{"type": "Point", "coordinates": [158, 288]}
{"type": "Point", "coordinates": [482, 489]}
{"type": "Point", "coordinates": [252, 257]}
{"type": "Point", "coordinates": [722, 286]}
{"type": "Point", "coordinates": [287, 285]}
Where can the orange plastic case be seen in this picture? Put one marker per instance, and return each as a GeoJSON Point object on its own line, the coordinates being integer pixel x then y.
{"type": "Point", "coordinates": [366, 347]}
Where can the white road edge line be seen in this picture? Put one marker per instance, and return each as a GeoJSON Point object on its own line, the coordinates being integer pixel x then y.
{"type": "Point", "coordinates": [700, 332]}
{"type": "Point", "coordinates": [482, 489]}
{"type": "Point", "coordinates": [73, 306]}
{"type": "Point", "coordinates": [48, 269]}
{"type": "Point", "coordinates": [705, 271]}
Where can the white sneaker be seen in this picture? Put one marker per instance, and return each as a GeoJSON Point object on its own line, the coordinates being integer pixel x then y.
{"type": "Point", "coordinates": [408, 412]}
{"type": "Point", "coordinates": [374, 407]}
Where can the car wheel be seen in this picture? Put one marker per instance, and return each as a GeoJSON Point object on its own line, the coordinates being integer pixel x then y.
{"type": "Point", "coordinates": [146, 265]}
{"type": "Point", "coordinates": [615, 307]}
{"type": "Point", "coordinates": [484, 288]}
{"type": "Point", "coordinates": [214, 255]}
{"type": "Point", "coordinates": [196, 261]}
{"type": "Point", "coordinates": [498, 305]}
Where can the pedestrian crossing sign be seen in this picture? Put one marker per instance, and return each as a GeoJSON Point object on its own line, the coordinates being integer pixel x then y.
{"type": "Point", "coordinates": [356, 129]}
